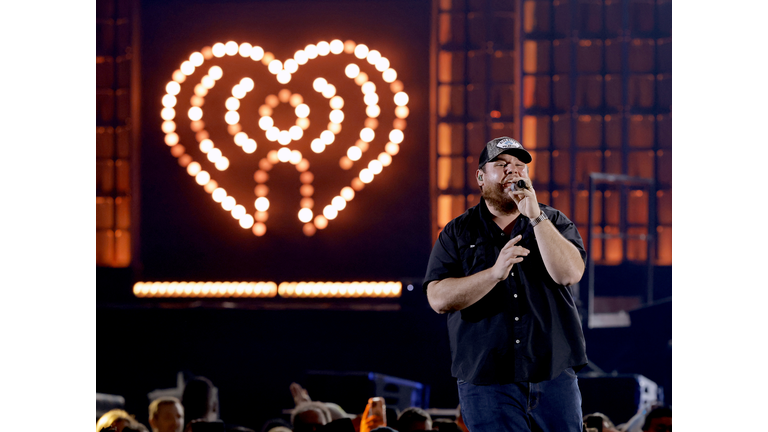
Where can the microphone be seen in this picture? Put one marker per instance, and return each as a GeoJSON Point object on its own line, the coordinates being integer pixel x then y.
{"type": "Point", "coordinates": [521, 184]}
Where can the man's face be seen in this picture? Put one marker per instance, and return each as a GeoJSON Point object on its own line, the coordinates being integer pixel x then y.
{"type": "Point", "coordinates": [497, 179]}
{"type": "Point", "coordinates": [169, 418]}
{"type": "Point", "coordinates": [661, 424]}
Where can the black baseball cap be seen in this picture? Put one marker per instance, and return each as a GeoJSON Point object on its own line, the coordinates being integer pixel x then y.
{"type": "Point", "coordinates": [497, 146]}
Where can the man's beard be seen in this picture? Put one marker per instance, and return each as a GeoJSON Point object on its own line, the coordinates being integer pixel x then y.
{"type": "Point", "coordinates": [495, 197]}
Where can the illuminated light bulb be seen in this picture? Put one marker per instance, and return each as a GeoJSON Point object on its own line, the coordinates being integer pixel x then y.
{"type": "Point", "coordinates": [200, 90]}
{"type": "Point", "coordinates": [257, 53]}
{"type": "Point", "coordinates": [354, 153]}
{"type": "Point", "coordinates": [401, 112]}
{"type": "Point", "coordinates": [396, 86]}
{"type": "Point", "coordinates": [295, 157]}
{"type": "Point", "coordinates": [368, 88]}
{"type": "Point", "coordinates": [361, 79]}
{"type": "Point", "coordinates": [385, 159]}
{"type": "Point", "coordinates": [169, 101]}
{"type": "Point", "coordinates": [238, 211]}
{"type": "Point", "coordinates": [272, 101]}
{"type": "Point", "coordinates": [373, 56]}
{"type": "Point", "coordinates": [207, 53]}
{"type": "Point", "coordinates": [241, 138]}
{"type": "Point", "coordinates": [261, 190]}
{"type": "Point", "coordinates": [291, 66]}
{"type": "Point", "coordinates": [382, 64]}
{"type": "Point", "coordinates": [392, 148]}
{"type": "Point", "coordinates": [202, 178]}
{"type": "Point", "coordinates": [187, 68]}
{"type": "Point", "coordinates": [329, 91]}
{"type": "Point", "coordinates": [371, 99]}
{"type": "Point", "coordinates": [319, 84]}
{"type": "Point", "coordinates": [336, 46]}
{"type": "Point", "coordinates": [273, 133]}
{"type": "Point", "coordinates": [375, 166]}
{"type": "Point", "coordinates": [303, 123]}
{"type": "Point", "coordinates": [266, 58]}
{"type": "Point", "coordinates": [178, 77]}
{"type": "Point", "coordinates": [338, 203]}
{"type": "Point", "coordinates": [238, 91]}
{"type": "Point", "coordinates": [361, 51]}
{"type": "Point", "coordinates": [317, 146]}
{"type": "Point", "coordinates": [401, 99]}
{"type": "Point", "coordinates": [266, 122]}
{"type": "Point", "coordinates": [265, 110]}
{"type": "Point", "coordinates": [215, 72]}
{"type": "Point", "coordinates": [296, 133]}
{"type": "Point", "coordinates": [336, 116]}
{"type": "Point", "coordinates": [311, 51]}
{"type": "Point", "coordinates": [284, 95]}
{"type": "Point", "coordinates": [306, 178]}
{"type": "Point", "coordinates": [284, 154]}
{"type": "Point", "coordinates": [301, 57]}
{"type": "Point", "coordinates": [231, 117]}
{"type": "Point", "coordinates": [195, 113]}
{"type": "Point", "coordinates": [211, 186]}
{"type": "Point", "coordinates": [337, 102]}
{"type": "Point", "coordinates": [197, 126]}
{"type": "Point", "coordinates": [305, 215]}
{"type": "Point", "coordinates": [222, 164]}
{"type": "Point", "coordinates": [284, 137]}
{"type": "Point", "coordinates": [261, 176]}
{"type": "Point", "coordinates": [193, 168]}
{"type": "Point", "coordinates": [352, 70]}
{"type": "Point", "coordinates": [249, 146]}
{"type": "Point", "coordinates": [214, 155]}
{"type": "Point", "coordinates": [345, 163]}
{"type": "Point", "coordinates": [246, 221]}
{"type": "Point", "coordinates": [399, 124]}
{"type": "Point", "coordinates": [347, 193]}
{"type": "Point", "coordinates": [202, 135]}
{"type": "Point", "coordinates": [207, 82]}
{"type": "Point", "coordinates": [334, 127]}
{"type": "Point", "coordinates": [349, 46]}
{"type": "Point", "coordinates": [272, 157]}
{"type": "Point", "coordinates": [167, 114]}
{"type": "Point", "coordinates": [327, 137]}
{"type": "Point", "coordinates": [366, 176]}
{"type": "Point", "coordinates": [196, 59]}
{"type": "Point", "coordinates": [231, 48]}
{"type": "Point", "coordinates": [261, 204]}
{"type": "Point", "coordinates": [259, 229]}
{"type": "Point", "coordinates": [218, 50]}
{"type": "Point", "coordinates": [172, 88]}
{"type": "Point", "coordinates": [372, 111]}
{"type": "Point", "coordinates": [247, 84]}
{"type": "Point", "coordinates": [245, 49]}
{"type": "Point", "coordinates": [197, 101]}
{"type": "Point", "coordinates": [171, 139]}
{"type": "Point", "coordinates": [323, 48]}
{"type": "Point", "coordinates": [306, 190]}
{"type": "Point", "coordinates": [302, 111]}
{"type": "Point", "coordinates": [307, 202]}
{"type": "Point", "coordinates": [396, 136]}
{"type": "Point", "coordinates": [389, 75]}
{"type": "Point", "coordinates": [309, 229]}
{"type": "Point", "coordinates": [321, 222]}
{"type": "Point", "coordinates": [206, 145]}
{"type": "Point", "coordinates": [367, 134]}
{"type": "Point", "coordinates": [303, 165]}
{"type": "Point", "coordinates": [296, 100]}
{"type": "Point", "coordinates": [177, 150]}
{"type": "Point", "coordinates": [275, 66]}
{"type": "Point", "coordinates": [283, 77]}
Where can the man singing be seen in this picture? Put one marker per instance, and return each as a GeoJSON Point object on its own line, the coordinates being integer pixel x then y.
{"type": "Point", "coordinates": [502, 271]}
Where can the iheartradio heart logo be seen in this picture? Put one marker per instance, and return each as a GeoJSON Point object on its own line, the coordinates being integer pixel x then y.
{"type": "Point", "coordinates": [288, 145]}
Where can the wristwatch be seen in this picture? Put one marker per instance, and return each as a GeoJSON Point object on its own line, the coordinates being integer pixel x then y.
{"type": "Point", "coordinates": [540, 218]}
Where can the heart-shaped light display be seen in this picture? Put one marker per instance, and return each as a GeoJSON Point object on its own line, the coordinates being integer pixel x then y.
{"type": "Point", "coordinates": [283, 140]}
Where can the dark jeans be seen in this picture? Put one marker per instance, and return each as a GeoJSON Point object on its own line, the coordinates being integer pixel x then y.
{"type": "Point", "coordinates": [548, 406]}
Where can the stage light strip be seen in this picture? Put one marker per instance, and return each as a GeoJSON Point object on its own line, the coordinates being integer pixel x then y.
{"type": "Point", "coordinates": [267, 289]}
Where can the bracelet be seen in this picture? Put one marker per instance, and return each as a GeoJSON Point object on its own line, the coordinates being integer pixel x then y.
{"type": "Point", "coordinates": [538, 220]}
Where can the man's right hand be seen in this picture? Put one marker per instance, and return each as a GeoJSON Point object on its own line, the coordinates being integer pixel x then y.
{"type": "Point", "coordinates": [510, 255]}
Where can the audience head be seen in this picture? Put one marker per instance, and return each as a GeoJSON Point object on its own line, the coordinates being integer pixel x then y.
{"type": "Point", "coordinates": [658, 420]}
{"type": "Point", "coordinates": [414, 419]}
{"type": "Point", "coordinates": [337, 412]}
{"type": "Point", "coordinates": [276, 425]}
{"type": "Point", "coordinates": [117, 418]}
{"type": "Point", "coordinates": [166, 415]}
{"type": "Point", "coordinates": [200, 400]}
{"type": "Point", "coordinates": [309, 416]}
{"type": "Point", "coordinates": [445, 425]}
{"type": "Point", "coordinates": [608, 425]}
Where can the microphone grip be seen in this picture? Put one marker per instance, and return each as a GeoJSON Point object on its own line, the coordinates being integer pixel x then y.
{"type": "Point", "coordinates": [521, 184]}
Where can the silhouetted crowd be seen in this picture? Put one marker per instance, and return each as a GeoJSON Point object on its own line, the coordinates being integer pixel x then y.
{"type": "Point", "coordinates": [198, 411]}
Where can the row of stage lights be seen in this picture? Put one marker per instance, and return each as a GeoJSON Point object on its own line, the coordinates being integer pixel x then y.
{"type": "Point", "coordinates": [283, 71]}
{"type": "Point", "coordinates": [267, 289]}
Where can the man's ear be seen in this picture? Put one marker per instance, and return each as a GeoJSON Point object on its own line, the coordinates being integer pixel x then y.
{"type": "Point", "coordinates": [479, 176]}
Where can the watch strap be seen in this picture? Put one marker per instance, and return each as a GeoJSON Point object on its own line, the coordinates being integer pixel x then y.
{"type": "Point", "coordinates": [538, 220]}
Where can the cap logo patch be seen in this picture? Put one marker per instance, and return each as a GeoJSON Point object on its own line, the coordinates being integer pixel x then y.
{"type": "Point", "coordinates": [508, 143]}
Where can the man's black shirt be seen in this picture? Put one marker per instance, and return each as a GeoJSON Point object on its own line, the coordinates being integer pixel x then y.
{"type": "Point", "coordinates": [527, 327]}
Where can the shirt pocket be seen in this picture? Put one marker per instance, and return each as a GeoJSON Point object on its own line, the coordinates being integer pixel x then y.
{"type": "Point", "coordinates": [476, 256]}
